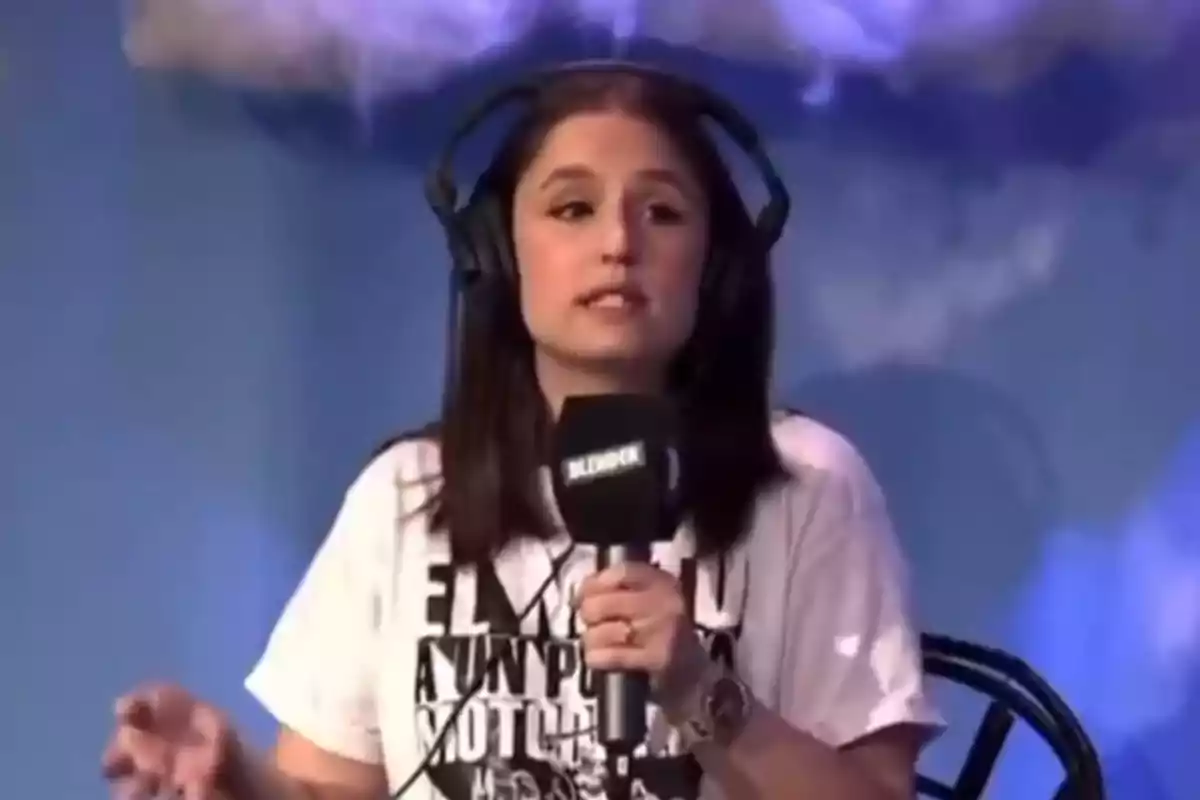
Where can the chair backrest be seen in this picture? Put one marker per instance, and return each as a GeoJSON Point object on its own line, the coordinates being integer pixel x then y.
{"type": "Point", "coordinates": [1016, 691]}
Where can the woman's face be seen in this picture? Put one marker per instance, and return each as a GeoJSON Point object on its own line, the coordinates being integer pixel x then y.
{"type": "Point", "coordinates": [611, 233]}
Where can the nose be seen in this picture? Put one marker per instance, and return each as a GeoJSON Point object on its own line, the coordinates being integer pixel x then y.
{"type": "Point", "coordinates": [622, 237]}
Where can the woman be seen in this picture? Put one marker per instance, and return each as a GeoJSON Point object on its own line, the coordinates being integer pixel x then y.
{"type": "Point", "coordinates": [774, 626]}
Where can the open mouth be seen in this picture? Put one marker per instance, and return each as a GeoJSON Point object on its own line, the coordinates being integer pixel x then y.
{"type": "Point", "coordinates": [616, 298]}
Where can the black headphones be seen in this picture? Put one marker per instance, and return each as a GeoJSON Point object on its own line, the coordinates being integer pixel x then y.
{"type": "Point", "coordinates": [476, 231]}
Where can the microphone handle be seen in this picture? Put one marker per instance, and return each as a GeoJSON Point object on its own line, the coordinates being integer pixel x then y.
{"type": "Point", "coordinates": [622, 697]}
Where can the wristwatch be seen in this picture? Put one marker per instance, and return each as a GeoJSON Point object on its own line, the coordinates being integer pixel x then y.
{"type": "Point", "coordinates": [718, 711]}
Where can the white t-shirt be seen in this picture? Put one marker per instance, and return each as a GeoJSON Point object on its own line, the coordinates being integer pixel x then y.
{"type": "Point", "coordinates": [382, 636]}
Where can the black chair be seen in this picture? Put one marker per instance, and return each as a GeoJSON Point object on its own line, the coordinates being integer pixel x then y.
{"type": "Point", "coordinates": [1016, 691]}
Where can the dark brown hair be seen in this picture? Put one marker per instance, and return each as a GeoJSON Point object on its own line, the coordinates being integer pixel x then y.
{"type": "Point", "coordinates": [494, 425]}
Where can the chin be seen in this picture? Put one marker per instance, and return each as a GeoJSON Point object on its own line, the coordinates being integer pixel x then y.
{"type": "Point", "coordinates": [618, 352]}
{"type": "Point", "coordinates": [618, 357]}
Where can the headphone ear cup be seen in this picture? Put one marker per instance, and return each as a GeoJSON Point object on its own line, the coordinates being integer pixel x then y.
{"type": "Point", "coordinates": [493, 230]}
{"type": "Point", "coordinates": [722, 287]}
{"type": "Point", "coordinates": [731, 286]}
{"type": "Point", "coordinates": [464, 254]}
{"type": "Point", "coordinates": [483, 240]}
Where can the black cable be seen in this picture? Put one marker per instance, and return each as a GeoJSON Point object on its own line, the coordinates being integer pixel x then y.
{"type": "Point", "coordinates": [555, 573]}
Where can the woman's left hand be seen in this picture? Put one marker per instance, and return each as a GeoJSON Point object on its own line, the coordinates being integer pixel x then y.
{"type": "Point", "coordinates": [636, 620]}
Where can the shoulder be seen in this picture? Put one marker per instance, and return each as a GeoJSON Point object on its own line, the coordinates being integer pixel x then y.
{"type": "Point", "coordinates": [386, 499]}
{"type": "Point", "coordinates": [831, 501]}
{"type": "Point", "coordinates": [399, 465]}
{"type": "Point", "coordinates": [818, 458]}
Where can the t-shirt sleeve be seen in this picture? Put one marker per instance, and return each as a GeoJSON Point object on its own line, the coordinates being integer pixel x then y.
{"type": "Point", "coordinates": [851, 658]}
{"type": "Point", "coordinates": [318, 673]}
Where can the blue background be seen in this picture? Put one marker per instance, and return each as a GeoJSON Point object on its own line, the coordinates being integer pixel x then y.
{"type": "Point", "coordinates": [211, 308]}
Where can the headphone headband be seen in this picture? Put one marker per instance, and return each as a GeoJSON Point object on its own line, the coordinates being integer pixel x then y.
{"type": "Point", "coordinates": [441, 192]}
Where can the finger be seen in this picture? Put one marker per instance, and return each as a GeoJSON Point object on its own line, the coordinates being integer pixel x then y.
{"type": "Point", "coordinates": [130, 750]}
{"type": "Point", "coordinates": [615, 604]}
{"type": "Point", "coordinates": [147, 757]}
{"type": "Point", "coordinates": [627, 575]}
{"type": "Point", "coordinates": [199, 792]}
{"type": "Point", "coordinates": [137, 788]}
{"type": "Point", "coordinates": [619, 658]}
{"type": "Point", "coordinates": [196, 779]}
{"type": "Point", "coordinates": [662, 600]}
{"type": "Point", "coordinates": [642, 631]}
{"type": "Point", "coordinates": [134, 710]}
{"type": "Point", "coordinates": [610, 635]}
{"type": "Point", "coordinates": [211, 726]}
{"type": "Point", "coordinates": [133, 788]}
{"type": "Point", "coordinates": [196, 770]}
{"type": "Point", "coordinates": [144, 705]}
{"type": "Point", "coordinates": [123, 789]}
{"type": "Point", "coordinates": [170, 705]}
{"type": "Point", "coordinates": [115, 763]}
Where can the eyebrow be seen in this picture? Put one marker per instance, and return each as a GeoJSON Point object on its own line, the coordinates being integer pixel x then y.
{"type": "Point", "coordinates": [654, 175]}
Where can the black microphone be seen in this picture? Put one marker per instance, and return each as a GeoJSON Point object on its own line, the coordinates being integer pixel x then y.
{"type": "Point", "coordinates": [616, 478]}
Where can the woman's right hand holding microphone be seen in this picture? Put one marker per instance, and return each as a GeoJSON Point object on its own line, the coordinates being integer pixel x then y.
{"type": "Point", "coordinates": [167, 743]}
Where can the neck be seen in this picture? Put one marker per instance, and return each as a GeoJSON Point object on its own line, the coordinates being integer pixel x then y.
{"type": "Point", "coordinates": [559, 381]}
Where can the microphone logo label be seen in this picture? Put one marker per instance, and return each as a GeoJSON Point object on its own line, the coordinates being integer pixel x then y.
{"type": "Point", "coordinates": [604, 463]}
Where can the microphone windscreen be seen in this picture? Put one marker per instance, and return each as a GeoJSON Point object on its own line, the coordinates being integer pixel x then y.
{"type": "Point", "coordinates": [616, 469]}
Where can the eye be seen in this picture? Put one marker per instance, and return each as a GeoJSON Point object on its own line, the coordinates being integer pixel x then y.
{"type": "Point", "coordinates": [571, 211]}
{"type": "Point", "coordinates": [664, 214]}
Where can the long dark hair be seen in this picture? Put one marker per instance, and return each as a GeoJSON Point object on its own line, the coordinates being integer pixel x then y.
{"type": "Point", "coordinates": [495, 421]}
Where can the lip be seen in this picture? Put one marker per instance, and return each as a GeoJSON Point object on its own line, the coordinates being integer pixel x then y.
{"type": "Point", "coordinates": [626, 290]}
